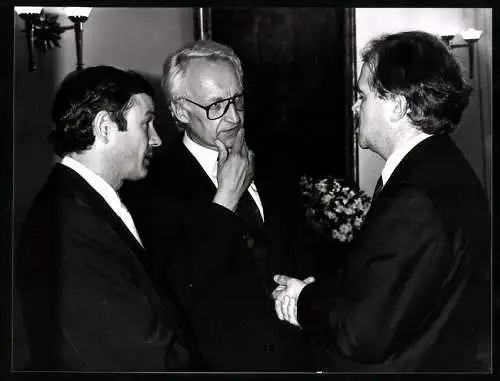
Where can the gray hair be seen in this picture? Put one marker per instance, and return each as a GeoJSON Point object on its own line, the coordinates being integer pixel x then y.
{"type": "Point", "coordinates": [177, 64]}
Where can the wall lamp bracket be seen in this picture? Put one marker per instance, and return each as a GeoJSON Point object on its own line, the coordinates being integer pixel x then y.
{"type": "Point", "coordinates": [470, 36]}
{"type": "Point", "coordinates": [43, 31]}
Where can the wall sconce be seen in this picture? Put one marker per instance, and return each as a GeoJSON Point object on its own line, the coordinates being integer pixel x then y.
{"type": "Point", "coordinates": [470, 36]}
{"type": "Point", "coordinates": [43, 32]}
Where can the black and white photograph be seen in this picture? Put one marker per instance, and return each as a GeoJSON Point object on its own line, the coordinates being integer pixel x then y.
{"type": "Point", "coordinates": [252, 190]}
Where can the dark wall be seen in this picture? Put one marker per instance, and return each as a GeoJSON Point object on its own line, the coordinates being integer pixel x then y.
{"type": "Point", "coordinates": [298, 82]}
{"type": "Point", "coordinates": [33, 159]}
{"type": "Point", "coordinates": [33, 93]}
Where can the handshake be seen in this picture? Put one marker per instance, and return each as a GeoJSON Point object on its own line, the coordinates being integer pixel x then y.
{"type": "Point", "coordinates": [286, 296]}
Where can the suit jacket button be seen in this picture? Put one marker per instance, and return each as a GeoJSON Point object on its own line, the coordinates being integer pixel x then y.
{"type": "Point", "coordinates": [268, 347]}
{"type": "Point", "coordinates": [250, 242]}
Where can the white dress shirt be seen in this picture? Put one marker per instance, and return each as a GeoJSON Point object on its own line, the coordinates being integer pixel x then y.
{"type": "Point", "coordinates": [208, 161]}
{"type": "Point", "coordinates": [398, 155]}
{"type": "Point", "coordinates": [105, 190]}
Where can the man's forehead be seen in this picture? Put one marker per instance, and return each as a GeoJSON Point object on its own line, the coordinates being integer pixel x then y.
{"type": "Point", "coordinates": [143, 98]}
{"type": "Point", "coordinates": [205, 78]}
{"type": "Point", "coordinates": [364, 76]}
{"type": "Point", "coordinates": [209, 66]}
{"type": "Point", "coordinates": [144, 101]}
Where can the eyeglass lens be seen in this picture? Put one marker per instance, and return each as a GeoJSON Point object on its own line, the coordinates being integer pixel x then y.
{"type": "Point", "coordinates": [219, 108]}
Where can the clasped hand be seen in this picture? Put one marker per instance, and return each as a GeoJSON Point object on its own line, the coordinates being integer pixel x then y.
{"type": "Point", "coordinates": [286, 296]}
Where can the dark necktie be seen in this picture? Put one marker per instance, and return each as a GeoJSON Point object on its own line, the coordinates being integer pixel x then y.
{"type": "Point", "coordinates": [378, 188]}
{"type": "Point", "coordinates": [248, 210]}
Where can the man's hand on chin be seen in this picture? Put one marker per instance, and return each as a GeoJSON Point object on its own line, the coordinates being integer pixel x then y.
{"type": "Point", "coordinates": [234, 171]}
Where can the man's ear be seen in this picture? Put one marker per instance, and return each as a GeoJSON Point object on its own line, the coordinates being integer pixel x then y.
{"type": "Point", "coordinates": [400, 108]}
{"type": "Point", "coordinates": [179, 111]}
{"type": "Point", "coordinates": [102, 126]}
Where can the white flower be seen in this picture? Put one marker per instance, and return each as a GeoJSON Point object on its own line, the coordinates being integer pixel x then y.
{"type": "Point", "coordinates": [345, 228]}
{"type": "Point", "coordinates": [349, 211]}
{"type": "Point", "coordinates": [358, 204]}
{"type": "Point", "coordinates": [326, 198]}
{"type": "Point", "coordinates": [358, 221]}
{"type": "Point", "coordinates": [330, 215]}
{"type": "Point", "coordinates": [339, 209]}
{"type": "Point", "coordinates": [321, 186]}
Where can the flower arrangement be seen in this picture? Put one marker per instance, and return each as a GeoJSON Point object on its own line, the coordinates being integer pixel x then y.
{"type": "Point", "coordinates": [333, 208]}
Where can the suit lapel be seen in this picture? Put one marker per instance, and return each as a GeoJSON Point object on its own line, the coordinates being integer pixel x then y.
{"type": "Point", "coordinates": [86, 195]}
{"type": "Point", "coordinates": [263, 195]}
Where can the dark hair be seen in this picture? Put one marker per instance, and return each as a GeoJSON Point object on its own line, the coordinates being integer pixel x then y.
{"type": "Point", "coordinates": [80, 97]}
{"type": "Point", "coordinates": [420, 67]}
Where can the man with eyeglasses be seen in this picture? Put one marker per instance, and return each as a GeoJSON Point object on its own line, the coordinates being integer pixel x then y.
{"type": "Point", "coordinates": [218, 230]}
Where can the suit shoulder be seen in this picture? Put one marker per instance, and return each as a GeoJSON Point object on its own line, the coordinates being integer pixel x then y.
{"type": "Point", "coordinates": [404, 193]}
{"type": "Point", "coordinates": [406, 203]}
{"type": "Point", "coordinates": [60, 213]}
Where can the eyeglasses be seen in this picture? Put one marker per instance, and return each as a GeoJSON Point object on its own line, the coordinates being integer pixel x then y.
{"type": "Point", "coordinates": [217, 109]}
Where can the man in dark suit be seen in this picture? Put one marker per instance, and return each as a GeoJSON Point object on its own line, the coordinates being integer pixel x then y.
{"type": "Point", "coordinates": [414, 295]}
{"type": "Point", "coordinates": [218, 232]}
{"type": "Point", "coordinates": [86, 300]}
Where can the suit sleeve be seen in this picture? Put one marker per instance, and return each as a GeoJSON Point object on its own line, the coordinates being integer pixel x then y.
{"type": "Point", "coordinates": [391, 282]}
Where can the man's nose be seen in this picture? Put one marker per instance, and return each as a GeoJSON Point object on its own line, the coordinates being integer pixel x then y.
{"type": "Point", "coordinates": [355, 107]}
{"type": "Point", "coordinates": [154, 138]}
{"type": "Point", "coordinates": [232, 115]}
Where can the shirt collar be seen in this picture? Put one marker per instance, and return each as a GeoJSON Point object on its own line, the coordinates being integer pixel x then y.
{"type": "Point", "coordinates": [95, 181]}
{"type": "Point", "coordinates": [205, 156]}
{"type": "Point", "coordinates": [398, 155]}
